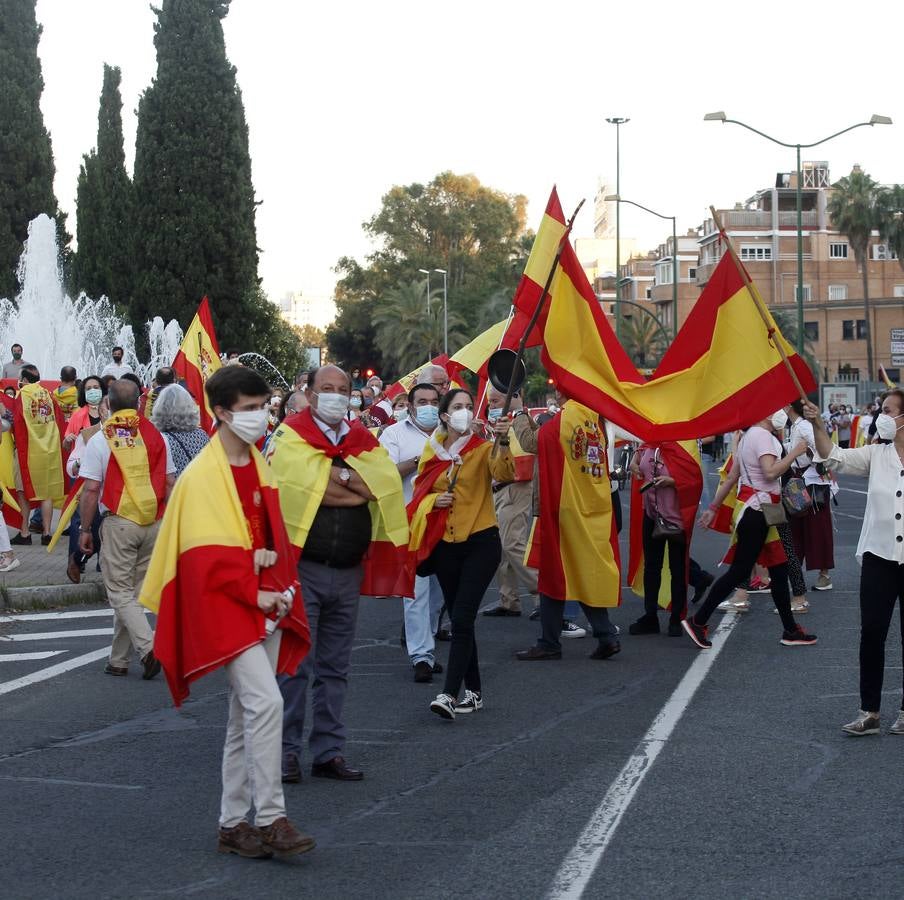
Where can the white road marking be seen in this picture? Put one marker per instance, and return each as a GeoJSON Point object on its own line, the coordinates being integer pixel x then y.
{"type": "Point", "coordinates": [22, 657]}
{"type": "Point", "coordinates": [7, 687]}
{"type": "Point", "coordinates": [69, 781]}
{"type": "Point", "coordinates": [578, 867]}
{"type": "Point", "coordinates": [55, 635]}
{"type": "Point", "coordinates": [53, 616]}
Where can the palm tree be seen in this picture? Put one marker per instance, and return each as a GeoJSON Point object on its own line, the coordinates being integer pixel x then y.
{"type": "Point", "coordinates": [407, 332]}
{"type": "Point", "coordinates": [642, 338]}
{"type": "Point", "coordinates": [853, 208]}
{"type": "Point", "coordinates": [786, 320]}
{"type": "Point", "coordinates": [891, 219]}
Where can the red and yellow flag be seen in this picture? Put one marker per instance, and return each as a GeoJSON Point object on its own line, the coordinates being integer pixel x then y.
{"type": "Point", "coordinates": [38, 427]}
{"type": "Point", "coordinates": [198, 358]}
{"type": "Point", "coordinates": [407, 382]}
{"type": "Point", "coordinates": [201, 581]}
{"type": "Point", "coordinates": [574, 543]}
{"type": "Point", "coordinates": [301, 457]}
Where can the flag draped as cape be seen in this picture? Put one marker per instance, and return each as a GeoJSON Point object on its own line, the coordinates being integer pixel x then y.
{"type": "Point", "coordinates": [201, 580]}
{"type": "Point", "coordinates": [38, 427]}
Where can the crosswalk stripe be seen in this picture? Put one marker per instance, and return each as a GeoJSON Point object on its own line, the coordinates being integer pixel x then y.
{"type": "Point", "coordinates": [56, 635]}
{"type": "Point", "coordinates": [54, 616]}
{"type": "Point", "coordinates": [7, 687]}
{"type": "Point", "coordinates": [22, 657]}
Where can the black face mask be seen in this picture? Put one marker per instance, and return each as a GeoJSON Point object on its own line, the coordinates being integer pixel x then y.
{"type": "Point", "coordinates": [17, 354]}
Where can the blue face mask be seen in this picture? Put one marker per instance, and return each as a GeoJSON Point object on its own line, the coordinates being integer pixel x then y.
{"type": "Point", "coordinates": [493, 414]}
{"type": "Point", "coordinates": [427, 416]}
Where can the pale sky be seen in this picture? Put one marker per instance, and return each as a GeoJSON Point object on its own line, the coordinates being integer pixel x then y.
{"type": "Point", "coordinates": [344, 100]}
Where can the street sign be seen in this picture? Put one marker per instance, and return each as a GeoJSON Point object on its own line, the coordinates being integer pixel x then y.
{"type": "Point", "coordinates": [897, 334]}
{"type": "Point", "coordinates": [897, 359]}
{"type": "Point", "coordinates": [897, 346]}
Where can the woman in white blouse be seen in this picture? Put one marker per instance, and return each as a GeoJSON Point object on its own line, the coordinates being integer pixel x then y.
{"type": "Point", "coordinates": [881, 546]}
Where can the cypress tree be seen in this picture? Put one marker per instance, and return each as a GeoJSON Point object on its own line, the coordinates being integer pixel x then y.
{"type": "Point", "coordinates": [26, 159]}
{"type": "Point", "coordinates": [103, 265]}
{"type": "Point", "coordinates": [194, 200]}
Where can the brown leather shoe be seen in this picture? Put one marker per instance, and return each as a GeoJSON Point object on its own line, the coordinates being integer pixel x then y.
{"type": "Point", "coordinates": [151, 666]}
{"type": "Point", "coordinates": [115, 670]}
{"type": "Point", "coordinates": [535, 653]}
{"type": "Point", "coordinates": [245, 840]}
{"type": "Point", "coordinates": [336, 768]}
{"type": "Point", "coordinates": [282, 838]}
{"type": "Point", "coordinates": [73, 570]}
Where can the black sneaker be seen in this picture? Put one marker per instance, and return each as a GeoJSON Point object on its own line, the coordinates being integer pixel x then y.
{"type": "Point", "coordinates": [646, 624]}
{"type": "Point", "coordinates": [797, 638]}
{"type": "Point", "coordinates": [675, 629]}
{"type": "Point", "coordinates": [437, 668]}
{"type": "Point", "coordinates": [423, 672]}
{"type": "Point", "coordinates": [21, 540]}
{"type": "Point", "coordinates": [697, 633]}
{"type": "Point", "coordinates": [46, 539]}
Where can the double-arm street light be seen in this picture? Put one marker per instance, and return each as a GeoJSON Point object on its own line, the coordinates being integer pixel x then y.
{"type": "Point", "coordinates": [653, 212]}
{"type": "Point", "coordinates": [445, 303]}
{"type": "Point", "coordinates": [874, 120]}
{"type": "Point", "coordinates": [617, 121]}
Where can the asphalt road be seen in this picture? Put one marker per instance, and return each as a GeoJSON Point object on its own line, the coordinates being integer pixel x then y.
{"type": "Point", "coordinates": [107, 791]}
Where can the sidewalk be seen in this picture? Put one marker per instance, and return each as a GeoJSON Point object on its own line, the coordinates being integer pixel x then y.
{"type": "Point", "coordinates": [40, 581]}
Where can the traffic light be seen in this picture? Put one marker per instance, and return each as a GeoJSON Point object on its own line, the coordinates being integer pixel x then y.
{"type": "Point", "coordinates": [370, 373]}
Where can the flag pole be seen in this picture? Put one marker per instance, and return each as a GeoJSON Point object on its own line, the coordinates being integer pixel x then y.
{"type": "Point", "coordinates": [758, 302]}
{"type": "Point", "coordinates": [522, 344]}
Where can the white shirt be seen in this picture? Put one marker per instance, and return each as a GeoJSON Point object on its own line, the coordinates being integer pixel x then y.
{"type": "Point", "coordinates": [96, 457]}
{"type": "Point", "coordinates": [802, 430]}
{"type": "Point", "coordinates": [404, 441]}
{"type": "Point", "coordinates": [883, 521]}
{"type": "Point", "coordinates": [117, 370]}
{"type": "Point", "coordinates": [334, 434]}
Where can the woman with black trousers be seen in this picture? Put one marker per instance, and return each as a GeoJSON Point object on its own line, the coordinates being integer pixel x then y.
{"type": "Point", "coordinates": [453, 515]}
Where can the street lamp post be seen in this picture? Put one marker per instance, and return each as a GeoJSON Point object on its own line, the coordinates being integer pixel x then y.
{"type": "Point", "coordinates": [617, 121]}
{"type": "Point", "coordinates": [445, 310]}
{"type": "Point", "coordinates": [874, 120]}
{"type": "Point", "coordinates": [674, 254]}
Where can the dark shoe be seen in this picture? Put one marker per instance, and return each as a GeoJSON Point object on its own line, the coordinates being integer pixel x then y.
{"type": "Point", "coordinates": [423, 673]}
{"type": "Point", "coordinates": [604, 651]}
{"type": "Point", "coordinates": [151, 666]}
{"type": "Point", "coordinates": [291, 770]}
{"type": "Point", "coordinates": [697, 633]}
{"type": "Point", "coordinates": [646, 624]}
{"type": "Point", "coordinates": [443, 635]}
{"type": "Point", "coordinates": [21, 540]}
{"type": "Point", "coordinates": [535, 615]}
{"type": "Point", "coordinates": [437, 669]}
{"type": "Point", "coordinates": [336, 769]}
{"type": "Point", "coordinates": [675, 629]}
{"type": "Point", "coordinates": [36, 526]}
{"type": "Point", "coordinates": [702, 586]}
{"type": "Point", "coordinates": [115, 670]}
{"type": "Point", "coordinates": [245, 840]}
{"type": "Point", "coordinates": [282, 838]}
{"type": "Point", "coordinates": [501, 611]}
{"type": "Point", "coordinates": [537, 653]}
{"type": "Point", "coordinates": [46, 539]}
{"type": "Point", "coordinates": [797, 638]}
{"type": "Point", "coordinates": [73, 570]}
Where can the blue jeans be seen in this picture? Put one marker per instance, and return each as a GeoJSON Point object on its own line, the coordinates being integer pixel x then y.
{"type": "Point", "coordinates": [74, 530]}
{"type": "Point", "coordinates": [422, 619]}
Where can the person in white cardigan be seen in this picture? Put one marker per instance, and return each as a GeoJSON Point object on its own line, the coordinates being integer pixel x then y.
{"type": "Point", "coordinates": [880, 550]}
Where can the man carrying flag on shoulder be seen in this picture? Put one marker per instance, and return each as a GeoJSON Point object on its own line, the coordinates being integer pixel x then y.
{"type": "Point", "coordinates": [342, 502]}
{"type": "Point", "coordinates": [575, 540]}
{"type": "Point", "coordinates": [128, 472]}
{"type": "Point", "coordinates": [65, 395]}
{"type": "Point", "coordinates": [222, 581]}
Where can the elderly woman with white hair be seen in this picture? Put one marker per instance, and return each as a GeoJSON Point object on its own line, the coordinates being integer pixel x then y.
{"type": "Point", "coordinates": [177, 417]}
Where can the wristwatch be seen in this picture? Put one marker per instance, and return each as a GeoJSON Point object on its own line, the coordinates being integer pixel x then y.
{"type": "Point", "coordinates": [345, 475]}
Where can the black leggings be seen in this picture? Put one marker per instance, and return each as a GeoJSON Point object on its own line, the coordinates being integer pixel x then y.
{"type": "Point", "coordinates": [751, 535]}
{"type": "Point", "coordinates": [881, 583]}
{"type": "Point", "coordinates": [653, 553]}
{"type": "Point", "coordinates": [464, 571]}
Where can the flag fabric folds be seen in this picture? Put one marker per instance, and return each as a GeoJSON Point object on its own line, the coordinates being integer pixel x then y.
{"type": "Point", "coordinates": [201, 580]}
{"type": "Point", "coordinates": [38, 428]}
{"type": "Point", "coordinates": [407, 382]}
{"type": "Point", "coordinates": [198, 358]}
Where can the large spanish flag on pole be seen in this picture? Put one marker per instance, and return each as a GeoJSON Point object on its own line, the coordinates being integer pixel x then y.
{"type": "Point", "coordinates": [198, 358]}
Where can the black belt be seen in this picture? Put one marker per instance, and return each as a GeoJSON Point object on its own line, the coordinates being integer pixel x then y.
{"type": "Point", "coordinates": [500, 485]}
{"type": "Point", "coordinates": [330, 564]}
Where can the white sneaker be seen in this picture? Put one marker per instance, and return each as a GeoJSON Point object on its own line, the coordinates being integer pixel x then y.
{"type": "Point", "coordinates": [444, 705]}
{"type": "Point", "coordinates": [823, 583]}
{"type": "Point", "coordinates": [802, 607]}
{"type": "Point", "coordinates": [732, 605]}
{"type": "Point", "coordinates": [9, 564]}
{"type": "Point", "coordinates": [570, 630]}
{"type": "Point", "coordinates": [472, 702]}
{"type": "Point", "coordinates": [898, 727]}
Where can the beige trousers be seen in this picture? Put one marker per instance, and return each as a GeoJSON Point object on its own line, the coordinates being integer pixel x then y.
{"type": "Point", "coordinates": [252, 754]}
{"type": "Point", "coordinates": [513, 511]}
{"type": "Point", "coordinates": [125, 552]}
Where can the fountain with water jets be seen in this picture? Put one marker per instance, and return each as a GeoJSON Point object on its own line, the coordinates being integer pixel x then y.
{"type": "Point", "coordinates": [55, 330]}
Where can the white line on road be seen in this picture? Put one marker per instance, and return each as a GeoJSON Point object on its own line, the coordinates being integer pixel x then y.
{"type": "Point", "coordinates": [69, 781]}
{"type": "Point", "coordinates": [22, 657]}
{"type": "Point", "coordinates": [7, 687]}
{"type": "Point", "coordinates": [54, 635]}
{"type": "Point", "coordinates": [52, 616]}
{"type": "Point", "coordinates": [578, 867]}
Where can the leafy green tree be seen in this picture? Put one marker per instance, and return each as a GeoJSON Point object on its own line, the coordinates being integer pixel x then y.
{"type": "Point", "coordinates": [787, 325]}
{"type": "Point", "coordinates": [194, 200]}
{"type": "Point", "coordinates": [853, 209]}
{"type": "Point", "coordinates": [103, 264]}
{"type": "Point", "coordinates": [26, 158]}
{"type": "Point", "coordinates": [351, 338]}
{"type": "Point", "coordinates": [890, 207]}
{"type": "Point", "coordinates": [643, 338]}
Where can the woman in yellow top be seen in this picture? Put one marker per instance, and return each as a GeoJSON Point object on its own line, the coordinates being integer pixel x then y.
{"type": "Point", "coordinates": [455, 534]}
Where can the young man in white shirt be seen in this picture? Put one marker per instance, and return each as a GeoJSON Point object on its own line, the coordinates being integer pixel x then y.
{"type": "Point", "coordinates": [117, 368]}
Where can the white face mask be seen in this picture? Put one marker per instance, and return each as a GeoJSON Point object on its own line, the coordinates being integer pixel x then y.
{"type": "Point", "coordinates": [249, 425]}
{"type": "Point", "coordinates": [460, 420]}
{"type": "Point", "coordinates": [332, 407]}
{"type": "Point", "coordinates": [779, 420]}
{"type": "Point", "coordinates": [400, 414]}
{"type": "Point", "coordinates": [886, 427]}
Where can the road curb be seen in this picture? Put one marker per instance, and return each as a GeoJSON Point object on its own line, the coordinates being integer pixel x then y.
{"type": "Point", "coordinates": [50, 596]}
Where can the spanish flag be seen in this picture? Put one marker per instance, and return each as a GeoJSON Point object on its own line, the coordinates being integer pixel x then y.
{"type": "Point", "coordinates": [70, 505]}
{"type": "Point", "coordinates": [301, 457]}
{"type": "Point", "coordinates": [773, 551]}
{"type": "Point", "coordinates": [67, 400]}
{"type": "Point", "coordinates": [38, 427]}
{"type": "Point", "coordinates": [11, 512]}
{"type": "Point", "coordinates": [201, 580]}
{"type": "Point", "coordinates": [198, 358]}
{"type": "Point", "coordinates": [682, 460]}
{"type": "Point", "coordinates": [574, 544]}
{"type": "Point", "coordinates": [723, 371]}
{"type": "Point", "coordinates": [407, 382]}
{"type": "Point", "coordinates": [725, 513]}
